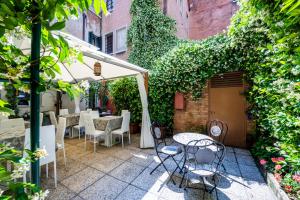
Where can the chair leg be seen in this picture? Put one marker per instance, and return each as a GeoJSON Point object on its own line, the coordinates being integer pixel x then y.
{"type": "Point", "coordinates": [129, 141]}
{"type": "Point", "coordinates": [79, 132]}
{"type": "Point", "coordinates": [122, 141]}
{"type": "Point", "coordinates": [85, 142]}
{"type": "Point", "coordinates": [47, 171]}
{"type": "Point", "coordinates": [55, 175]}
{"type": "Point", "coordinates": [94, 144]}
{"type": "Point", "coordinates": [161, 161]}
{"type": "Point", "coordinates": [65, 158]}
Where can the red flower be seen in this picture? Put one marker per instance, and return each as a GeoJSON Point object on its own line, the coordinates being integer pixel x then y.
{"type": "Point", "coordinates": [278, 167]}
{"type": "Point", "coordinates": [278, 177]}
{"type": "Point", "coordinates": [263, 162]}
{"type": "Point", "coordinates": [288, 188]}
{"type": "Point", "coordinates": [296, 177]}
{"type": "Point", "coordinates": [274, 160]}
{"type": "Point", "coordinates": [280, 159]}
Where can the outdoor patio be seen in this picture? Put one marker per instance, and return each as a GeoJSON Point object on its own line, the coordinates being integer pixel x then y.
{"type": "Point", "coordinates": [123, 173]}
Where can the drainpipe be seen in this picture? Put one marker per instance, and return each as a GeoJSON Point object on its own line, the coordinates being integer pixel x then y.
{"type": "Point", "coordinates": [83, 25]}
{"type": "Point", "coordinates": [35, 95]}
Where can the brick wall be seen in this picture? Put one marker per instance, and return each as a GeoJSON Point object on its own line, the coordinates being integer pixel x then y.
{"type": "Point", "coordinates": [209, 17]}
{"type": "Point", "coordinates": [194, 116]}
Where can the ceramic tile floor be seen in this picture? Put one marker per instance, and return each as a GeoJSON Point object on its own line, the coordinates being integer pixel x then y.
{"type": "Point", "coordinates": [123, 174]}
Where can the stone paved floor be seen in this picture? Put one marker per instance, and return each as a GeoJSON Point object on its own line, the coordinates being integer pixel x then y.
{"type": "Point", "coordinates": [123, 174]}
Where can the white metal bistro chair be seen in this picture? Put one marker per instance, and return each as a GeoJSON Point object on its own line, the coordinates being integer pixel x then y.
{"type": "Point", "coordinates": [41, 119]}
{"type": "Point", "coordinates": [202, 161]}
{"type": "Point", "coordinates": [94, 114]}
{"type": "Point", "coordinates": [80, 124]}
{"type": "Point", "coordinates": [47, 142]}
{"type": "Point", "coordinates": [60, 137]}
{"type": "Point", "coordinates": [53, 119]}
{"type": "Point", "coordinates": [63, 112]}
{"type": "Point", "coordinates": [123, 112]}
{"type": "Point", "coordinates": [91, 131]}
{"type": "Point", "coordinates": [89, 109]}
{"type": "Point", "coordinates": [124, 128]}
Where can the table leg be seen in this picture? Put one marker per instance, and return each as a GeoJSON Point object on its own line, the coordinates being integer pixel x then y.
{"type": "Point", "coordinates": [183, 166]}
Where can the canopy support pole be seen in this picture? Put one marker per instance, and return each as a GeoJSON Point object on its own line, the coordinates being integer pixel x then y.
{"type": "Point", "coordinates": [146, 82]}
{"type": "Point", "coordinates": [35, 97]}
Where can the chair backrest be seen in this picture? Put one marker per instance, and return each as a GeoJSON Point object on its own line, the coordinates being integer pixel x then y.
{"type": "Point", "coordinates": [12, 125]}
{"type": "Point", "coordinates": [89, 109]}
{"type": "Point", "coordinates": [60, 132]}
{"type": "Point", "coordinates": [94, 114]}
{"type": "Point", "coordinates": [89, 124]}
{"type": "Point", "coordinates": [156, 134]}
{"type": "Point", "coordinates": [47, 142]}
{"type": "Point", "coordinates": [3, 116]}
{"type": "Point", "coordinates": [53, 118]}
{"type": "Point", "coordinates": [41, 119]}
{"type": "Point", "coordinates": [123, 112]}
{"type": "Point", "coordinates": [63, 111]}
{"type": "Point", "coordinates": [125, 122]}
{"type": "Point", "coordinates": [81, 118]}
{"type": "Point", "coordinates": [217, 130]}
{"type": "Point", "coordinates": [206, 153]}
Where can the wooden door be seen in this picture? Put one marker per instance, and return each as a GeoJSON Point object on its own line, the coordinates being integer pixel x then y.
{"type": "Point", "coordinates": [227, 103]}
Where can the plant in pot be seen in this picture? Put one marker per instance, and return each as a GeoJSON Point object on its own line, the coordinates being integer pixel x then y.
{"type": "Point", "coordinates": [125, 95]}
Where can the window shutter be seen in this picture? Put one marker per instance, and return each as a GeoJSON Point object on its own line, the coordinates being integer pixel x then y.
{"type": "Point", "coordinates": [231, 79]}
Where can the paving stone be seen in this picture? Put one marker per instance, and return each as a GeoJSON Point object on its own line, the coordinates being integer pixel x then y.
{"type": "Point", "coordinates": [134, 193]}
{"type": "Point", "coordinates": [230, 156]}
{"type": "Point", "coordinates": [245, 160]}
{"type": "Point", "coordinates": [258, 190]}
{"type": "Point", "coordinates": [251, 173]}
{"type": "Point", "coordinates": [229, 149]}
{"type": "Point", "coordinates": [82, 179]}
{"type": "Point", "coordinates": [232, 186]}
{"type": "Point", "coordinates": [152, 183]}
{"type": "Point", "coordinates": [141, 159]}
{"type": "Point", "coordinates": [77, 198]}
{"type": "Point", "coordinates": [104, 189]}
{"type": "Point", "coordinates": [242, 151]}
{"type": "Point", "coordinates": [230, 168]}
{"type": "Point", "coordinates": [123, 154]}
{"type": "Point", "coordinates": [61, 192]}
{"type": "Point", "coordinates": [107, 164]}
{"type": "Point", "coordinates": [127, 171]}
{"type": "Point", "coordinates": [73, 166]}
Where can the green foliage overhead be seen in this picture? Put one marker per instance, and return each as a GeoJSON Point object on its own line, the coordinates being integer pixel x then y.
{"type": "Point", "coordinates": [126, 96]}
{"type": "Point", "coordinates": [150, 34]}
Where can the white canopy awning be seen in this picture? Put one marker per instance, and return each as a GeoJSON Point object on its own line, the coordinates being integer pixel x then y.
{"type": "Point", "coordinates": [111, 67]}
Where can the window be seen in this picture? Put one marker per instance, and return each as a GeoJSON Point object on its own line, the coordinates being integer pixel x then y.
{"type": "Point", "coordinates": [121, 40]}
{"type": "Point", "coordinates": [109, 42]}
{"type": "Point", "coordinates": [95, 40]}
{"type": "Point", "coordinates": [110, 5]}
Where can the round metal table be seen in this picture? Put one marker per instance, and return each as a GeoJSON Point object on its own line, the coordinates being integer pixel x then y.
{"type": "Point", "coordinates": [185, 139]}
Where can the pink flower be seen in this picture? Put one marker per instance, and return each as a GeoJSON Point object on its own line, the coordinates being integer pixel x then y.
{"type": "Point", "coordinates": [274, 160]}
{"type": "Point", "coordinates": [263, 162]}
{"type": "Point", "coordinates": [288, 188]}
{"type": "Point", "coordinates": [280, 159]}
{"type": "Point", "coordinates": [278, 177]}
{"type": "Point", "coordinates": [278, 167]}
{"type": "Point", "coordinates": [296, 177]}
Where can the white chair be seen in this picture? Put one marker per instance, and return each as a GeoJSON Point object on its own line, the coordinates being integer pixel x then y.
{"type": "Point", "coordinates": [3, 117]}
{"type": "Point", "coordinates": [89, 109]}
{"type": "Point", "coordinates": [47, 142]}
{"type": "Point", "coordinates": [53, 118]}
{"type": "Point", "coordinates": [123, 112]}
{"type": "Point", "coordinates": [94, 114]}
{"type": "Point", "coordinates": [41, 119]}
{"type": "Point", "coordinates": [81, 123]}
{"type": "Point", "coordinates": [124, 128]}
{"type": "Point", "coordinates": [9, 126]}
{"type": "Point", "coordinates": [91, 131]}
{"type": "Point", "coordinates": [60, 135]}
{"type": "Point", "coordinates": [63, 111]}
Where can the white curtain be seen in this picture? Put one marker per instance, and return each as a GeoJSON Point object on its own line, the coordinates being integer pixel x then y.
{"type": "Point", "coordinates": [146, 137]}
{"type": "Point", "coordinates": [77, 103]}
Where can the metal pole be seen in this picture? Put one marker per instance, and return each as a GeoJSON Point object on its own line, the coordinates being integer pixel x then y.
{"type": "Point", "coordinates": [35, 99]}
